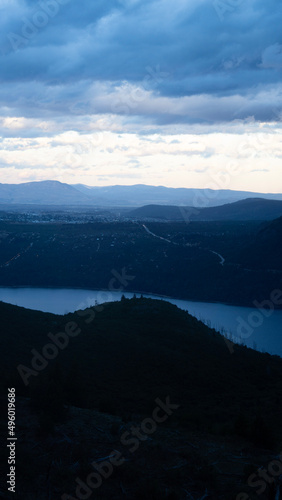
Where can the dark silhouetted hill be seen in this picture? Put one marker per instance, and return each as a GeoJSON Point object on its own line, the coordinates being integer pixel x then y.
{"type": "Point", "coordinates": [249, 209]}
{"type": "Point", "coordinates": [136, 350]}
{"type": "Point", "coordinates": [101, 386]}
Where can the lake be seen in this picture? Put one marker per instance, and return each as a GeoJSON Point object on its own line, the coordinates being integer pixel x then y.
{"type": "Point", "coordinates": [257, 328]}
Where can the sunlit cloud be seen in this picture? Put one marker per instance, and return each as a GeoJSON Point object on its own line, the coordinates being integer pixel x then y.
{"type": "Point", "coordinates": [130, 91]}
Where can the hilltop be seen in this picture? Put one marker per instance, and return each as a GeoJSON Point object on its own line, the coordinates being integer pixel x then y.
{"type": "Point", "coordinates": [248, 209]}
{"type": "Point", "coordinates": [42, 193]}
{"type": "Point", "coordinates": [121, 361]}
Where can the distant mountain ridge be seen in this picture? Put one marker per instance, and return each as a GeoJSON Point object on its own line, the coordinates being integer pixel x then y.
{"type": "Point", "coordinates": [139, 195]}
{"type": "Point", "coordinates": [42, 193]}
{"type": "Point", "coordinates": [58, 193]}
{"type": "Point", "coordinates": [248, 209]}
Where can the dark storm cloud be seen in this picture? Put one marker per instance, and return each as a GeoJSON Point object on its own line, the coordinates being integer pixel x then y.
{"type": "Point", "coordinates": [64, 57]}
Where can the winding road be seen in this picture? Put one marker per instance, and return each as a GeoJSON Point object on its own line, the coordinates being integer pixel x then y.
{"type": "Point", "coordinates": [222, 259]}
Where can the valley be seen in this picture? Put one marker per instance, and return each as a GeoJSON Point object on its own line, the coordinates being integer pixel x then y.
{"type": "Point", "coordinates": [203, 261]}
{"type": "Point", "coordinates": [89, 380]}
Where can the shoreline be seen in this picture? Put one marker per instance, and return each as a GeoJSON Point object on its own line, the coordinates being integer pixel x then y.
{"type": "Point", "coordinates": [151, 295]}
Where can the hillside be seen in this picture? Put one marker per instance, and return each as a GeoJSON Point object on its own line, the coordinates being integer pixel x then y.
{"type": "Point", "coordinates": [168, 212]}
{"type": "Point", "coordinates": [156, 342]}
{"type": "Point", "coordinates": [120, 368]}
{"type": "Point", "coordinates": [265, 251]}
{"type": "Point", "coordinates": [248, 209]}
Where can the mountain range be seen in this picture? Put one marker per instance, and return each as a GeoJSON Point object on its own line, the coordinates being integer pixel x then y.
{"type": "Point", "coordinates": [58, 193]}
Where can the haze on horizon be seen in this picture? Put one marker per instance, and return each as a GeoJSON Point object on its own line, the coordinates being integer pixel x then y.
{"type": "Point", "coordinates": [129, 92]}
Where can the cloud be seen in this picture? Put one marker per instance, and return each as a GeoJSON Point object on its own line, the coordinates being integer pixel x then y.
{"type": "Point", "coordinates": [272, 57]}
{"type": "Point", "coordinates": [260, 170]}
{"type": "Point", "coordinates": [156, 87]}
{"type": "Point", "coordinates": [158, 54]}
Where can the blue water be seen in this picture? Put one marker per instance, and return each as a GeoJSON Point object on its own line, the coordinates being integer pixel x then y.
{"type": "Point", "coordinates": [245, 325]}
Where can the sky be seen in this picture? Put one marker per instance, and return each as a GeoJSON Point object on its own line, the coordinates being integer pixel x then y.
{"type": "Point", "coordinates": [181, 94]}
